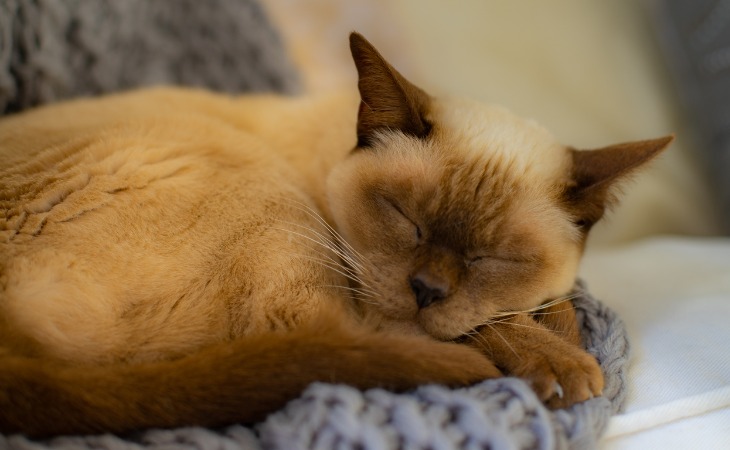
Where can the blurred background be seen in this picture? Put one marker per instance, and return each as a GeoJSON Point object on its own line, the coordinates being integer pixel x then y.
{"type": "Point", "coordinates": [593, 72]}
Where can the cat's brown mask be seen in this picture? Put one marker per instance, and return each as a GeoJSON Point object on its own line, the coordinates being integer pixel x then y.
{"type": "Point", "coordinates": [461, 210]}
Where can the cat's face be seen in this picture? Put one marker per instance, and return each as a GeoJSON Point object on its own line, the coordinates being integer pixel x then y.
{"type": "Point", "coordinates": [462, 224]}
{"type": "Point", "coordinates": [457, 210]}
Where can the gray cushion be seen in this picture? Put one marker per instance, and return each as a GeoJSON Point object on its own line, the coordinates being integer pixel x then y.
{"type": "Point", "coordinates": [53, 49]}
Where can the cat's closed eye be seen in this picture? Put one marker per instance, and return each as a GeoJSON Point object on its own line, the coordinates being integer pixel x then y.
{"type": "Point", "coordinates": [416, 230]}
{"type": "Point", "coordinates": [471, 261]}
{"type": "Point", "coordinates": [487, 258]}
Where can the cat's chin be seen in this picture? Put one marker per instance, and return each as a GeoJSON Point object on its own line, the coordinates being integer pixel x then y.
{"type": "Point", "coordinates": [446, 333]}
{"type": "Point", "coordinates": [402, 325]}
{"type": "Point", "coordinates": [442, 321]}
{"type": "Point", "coordinates": [444, 327]}
{"type": "Point", "coordinates": [414, 327]}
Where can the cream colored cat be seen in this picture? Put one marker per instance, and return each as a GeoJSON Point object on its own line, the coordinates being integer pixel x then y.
{"type": "Point", "coordinates": [174, 257]}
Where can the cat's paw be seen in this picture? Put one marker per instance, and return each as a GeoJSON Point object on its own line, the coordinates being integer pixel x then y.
{"type": "Point", "coordinates": [561, 377]}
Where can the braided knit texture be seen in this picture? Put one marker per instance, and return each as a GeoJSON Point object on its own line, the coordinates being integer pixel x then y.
{"type": "Point", "coordinates": [56, 49]}
{"type": "Point", "coordinates": [495, 414]}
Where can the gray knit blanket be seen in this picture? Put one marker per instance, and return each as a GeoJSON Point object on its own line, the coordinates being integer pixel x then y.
{"type": "Point", "coordinates": [495, 414]}
{"type": "Point", "coordinates": [56, 49]}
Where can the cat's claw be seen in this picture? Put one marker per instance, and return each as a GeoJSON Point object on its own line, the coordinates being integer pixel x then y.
{"type": "Point", "coordinates": [558, 390]}
{"type": "Point", "coordinates": [561, 379]}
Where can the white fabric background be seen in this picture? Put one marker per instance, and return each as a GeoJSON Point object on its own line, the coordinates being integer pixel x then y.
{"type": "Point", "coordinates": [674, 295]}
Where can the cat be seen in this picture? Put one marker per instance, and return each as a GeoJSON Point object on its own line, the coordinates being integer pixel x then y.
{"type": "Point", "coordinates": [175, 257]}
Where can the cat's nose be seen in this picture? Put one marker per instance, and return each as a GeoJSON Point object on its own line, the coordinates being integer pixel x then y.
{"type": "Point", "coordinates": [427, 291]}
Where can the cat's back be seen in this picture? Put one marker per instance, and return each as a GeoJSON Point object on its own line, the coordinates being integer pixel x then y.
{"type": "Point", "coordinates": [25, 135]}
{"type": "Point", "coordinates": [178, 190]}
{"type": "Point", "coordinates": [54, 156]}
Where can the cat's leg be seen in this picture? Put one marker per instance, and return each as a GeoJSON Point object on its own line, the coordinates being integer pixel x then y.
{"type": "Point", "coordinates": [560, 319]}
{"type": "Point", "coordinates": [560, 372]}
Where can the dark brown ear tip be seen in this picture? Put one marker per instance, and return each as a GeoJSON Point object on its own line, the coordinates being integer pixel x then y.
{"type": "Point", "coordinates": [358, 41]}
{"type": "Point", "coordinates": [668, 139]}
{"type": "Point", "coordinates": [662, 143]}
{"type": "Point", "coordinates": [356, 37]}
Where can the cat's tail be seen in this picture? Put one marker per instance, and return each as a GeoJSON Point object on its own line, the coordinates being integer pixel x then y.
{"type": "Point", "coordinates": [236, 382]}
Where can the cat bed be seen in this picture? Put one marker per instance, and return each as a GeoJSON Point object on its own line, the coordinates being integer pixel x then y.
{"type": "Point", "coordinates": [496, 414]}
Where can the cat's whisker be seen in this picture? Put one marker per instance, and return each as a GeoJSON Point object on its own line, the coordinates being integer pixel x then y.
{"type": "Point", "coordinates": [330, 258]}
{"type": "Point", "coordinates": [329, 243]}
{"type": "Point", "coordinates": [551, 303]}
{"type": "Point", "coordinates": [356, 290]}
{"type": "Point", "coordinates": [476, 336]}
{"type": "Point", "coordinates": [317, 251]}
{"type": "Point", "coordinates": [340, 246]}
{"type": "Point", "coordinates": [470, 332]}
{"type": "Point", "coordinates": [548, 304]}
{"type": "Point", "coordinates": [525, 326]}
{"type": "Point", "coordinates": [545, 313]}
{"type": "Point", "coordinates": [356, 294]}
{"type": "Point", "coordinates": [311, 239]}
{"type": "Point", "coordinates": [476, 340]}
{"type": "Point", "coordinates": [352, 273]}
{"type": "Point", "coordinates": [494, 329]}
{"type": "Point", "coordinates": [334, 237]}
{"type": "Point", "coordinates": [351, 261]}
{"type": "Point", "coordinates": [505, 319]}
{"type": "Point", "coordinates": [500, 319]}
{"type": "Point", "coordinates": [325, 240]}
{"type": "Point", "coordinates": [314, 214]}
{"type": "Point", "coordinates": [485, 342]}
{"type": "Point", "coordinates": [338, 269]}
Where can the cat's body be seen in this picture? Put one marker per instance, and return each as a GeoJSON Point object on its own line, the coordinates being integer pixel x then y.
{"type": "Point", "coordinates": [164, 250]}
{"type": "Point", "coordinates": [190, 198]}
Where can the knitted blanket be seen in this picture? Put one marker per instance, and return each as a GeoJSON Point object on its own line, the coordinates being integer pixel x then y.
{"type": "Point", "coordinates": [57, 49]}
{"type": "Point", "coordinates": [495, 414]}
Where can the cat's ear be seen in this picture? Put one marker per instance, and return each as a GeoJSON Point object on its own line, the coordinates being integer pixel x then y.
{"type": "Point", "coordinates": [595, 175]}
{"type": "Point", "coordinates": [387, 100]}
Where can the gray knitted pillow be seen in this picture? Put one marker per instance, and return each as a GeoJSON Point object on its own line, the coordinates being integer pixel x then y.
{"type": "Point", "coordinates": [56, 49]}
{"type": "Point", "coordinates": [496, 414]}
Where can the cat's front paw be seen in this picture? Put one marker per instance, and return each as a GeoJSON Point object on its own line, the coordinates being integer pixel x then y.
{"type": "Point", "coordinates": [561, 377]}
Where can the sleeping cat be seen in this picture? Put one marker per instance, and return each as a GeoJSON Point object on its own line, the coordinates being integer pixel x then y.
{"type": "Point", "coordinates": [173, 257]}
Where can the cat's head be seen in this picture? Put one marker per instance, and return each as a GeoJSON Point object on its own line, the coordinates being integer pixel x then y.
{"type": "Point", "coordinates": [460, 210]}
